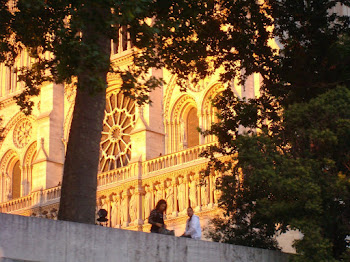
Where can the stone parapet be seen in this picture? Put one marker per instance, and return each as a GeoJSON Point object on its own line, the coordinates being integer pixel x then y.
{"type": "Point", "coordinates": [35, 239]}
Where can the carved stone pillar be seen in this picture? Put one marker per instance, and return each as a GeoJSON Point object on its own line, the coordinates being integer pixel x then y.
{"type": "Point", "coordinates": [170, 197]}
{"type": "Point", "coordinates": [176, 207]}
{"type": "Point", "coordinates": [8, 187]}
{"type": "Point", "coordinates": [125, 208]}
{"type": "Point", "coordinates": [158, 194]}
{"type": "Point", "coordinates": [198, 188]}
{"type": "Point", "coordinates": [216, 191]}
{"type": "Point", "coordinates": [181, 194]}
{"type": "Point", "coordinates": [24, 178]}
{"type": "Point", "coordinates": [162, 188]}
{"type": "Point", "coordinates": [139, 192]}
{"type": "Point", "coordinates": [148, 203]}
{"type": "Point", "coordinates": [115, 210]}
{"type": "Point", "coordinates": [211, 190]}
{"type": "Point", "coordinates": [187, 198]}
{"type": "Point", "coordinates": [204, 193]}
{"type": "Point", "coordinates": [194, 192]}
{"type": "Point", "coordinates": [152, 188]}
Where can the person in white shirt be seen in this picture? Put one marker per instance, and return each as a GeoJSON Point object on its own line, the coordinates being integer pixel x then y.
{"type": "Point", "coordinates": [193, 227]}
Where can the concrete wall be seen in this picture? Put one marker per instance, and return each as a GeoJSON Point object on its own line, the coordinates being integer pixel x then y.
{"type": "Point", "coordinates": [37, 239]}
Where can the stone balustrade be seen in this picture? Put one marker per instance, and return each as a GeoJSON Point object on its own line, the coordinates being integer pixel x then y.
{"type": "Point", "coordinates": [115, 175]}
{"type": "Point", "coordinates": [129, 193]}
{"type": "Point", "coordinates": [174, 159]}
{"type": "Point", "coordinates": [36, 198]}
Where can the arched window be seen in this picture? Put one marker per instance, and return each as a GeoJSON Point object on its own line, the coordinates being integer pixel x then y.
{"type": "Point", "coordinates": [192, 125]}
{"type": "Point", "coordinates": [209, 111]}
{"type": "Point", "coordinates": [11, 176]}
{"type": "Point", "coordinates": [182, 124]}
{"type": "Point", "coordinates": [16, 180]}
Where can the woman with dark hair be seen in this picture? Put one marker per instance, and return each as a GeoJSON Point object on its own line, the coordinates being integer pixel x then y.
{"type": "Point", "coordinates": [156, 219]}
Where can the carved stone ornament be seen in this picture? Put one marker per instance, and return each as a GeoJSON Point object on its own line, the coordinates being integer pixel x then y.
{"type": "Point", "coordinates": [196, 86]}
{"type": "Point", "coordinates": [118, 122]}
{"type": "Point", "coordinates": [22, 133]}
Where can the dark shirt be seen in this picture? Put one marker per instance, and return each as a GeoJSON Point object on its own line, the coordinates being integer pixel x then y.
{"type": "Point", "coordinates": [155, 217]}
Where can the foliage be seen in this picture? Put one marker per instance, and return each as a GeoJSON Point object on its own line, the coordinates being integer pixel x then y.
{"type": "Point", "coordinates": [292, 166]}
{"type": "Point", "coordinates": [295, 171]}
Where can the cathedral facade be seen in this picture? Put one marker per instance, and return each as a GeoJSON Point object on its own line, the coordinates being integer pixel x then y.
{"type": "Point", "coordinates": [147, 153]}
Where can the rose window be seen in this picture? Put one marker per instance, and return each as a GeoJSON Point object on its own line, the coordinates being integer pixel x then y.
{"type": "Point", "coordinates": [117, 124]}
{"type": "Point", "coordinates": [22, 133]}
{"type": "Point", "coordinates": [196, 86]}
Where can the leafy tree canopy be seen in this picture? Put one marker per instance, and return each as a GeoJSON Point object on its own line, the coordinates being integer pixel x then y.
{"type": "Point", "coordinates": [292, 166]}
{"type": "Point", "coordinates": [295, 170]}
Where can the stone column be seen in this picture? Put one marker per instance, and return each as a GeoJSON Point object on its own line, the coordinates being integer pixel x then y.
{"type": "Point", "coordinates": [25, 181]}
{"type": "Point", "coordinates": [204, 193]}
{"type": "Point", "coordinates": [187, 198]}
{"type": "Point", "coordinates": [114, 210]}
{"type": "Point", "coordinates": [216, 192]}
{"type": "Point", "coordinates": [174, 185]}
{"type": "Point", "coordinates": [211, 183]}
{"type": "Point", "coordinates": [162, 187]}
{"type": "Point", "coordinates": [199, 200]}
{"type": "Point", "coordinates": [139, 192]}
{"type": "Point", "coordinates": [125, 208]}
{"type": "Point", "coordinates": [148, 203]}
{"type": "Point", "coordinates": [170, 197]}
{"type": "Point", "coordinates": [202, 126]}
{"type": "Point", "coordinates": [152, 188]}
{"type": "Point", "coordinates": [172, 137]}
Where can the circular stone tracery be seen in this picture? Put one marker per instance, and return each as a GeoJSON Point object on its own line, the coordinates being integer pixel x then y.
{"type": "Point", "coordinates": [22, 133]}
{"type": "Point", "coordinates": [194, 85]}
{"type": "Point", "coordinates": [118, 122]}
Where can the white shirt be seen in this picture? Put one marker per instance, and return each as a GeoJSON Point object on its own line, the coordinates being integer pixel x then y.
{"type": "Point", "coordinates": [193, 227]}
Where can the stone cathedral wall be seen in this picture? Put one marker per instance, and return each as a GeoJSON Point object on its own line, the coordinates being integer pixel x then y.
{"type": "Point", "coordinates": [148, 153]}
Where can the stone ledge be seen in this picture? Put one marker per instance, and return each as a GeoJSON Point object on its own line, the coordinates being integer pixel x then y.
{"type": "Point", "coordinates": [38, 239]}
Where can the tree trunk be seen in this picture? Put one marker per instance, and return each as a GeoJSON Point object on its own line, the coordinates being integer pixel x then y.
{"type": "Point", "coordinates": [79, 185]}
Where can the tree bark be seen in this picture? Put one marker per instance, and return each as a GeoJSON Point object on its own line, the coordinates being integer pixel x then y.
{"type": "Point", "coordinates": [79, 185]}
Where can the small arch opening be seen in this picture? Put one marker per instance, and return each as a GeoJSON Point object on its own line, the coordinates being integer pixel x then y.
{"type": "Point", "coordinates": [192, 125]}
{"type": "Point", "coordinates": [16, 180]}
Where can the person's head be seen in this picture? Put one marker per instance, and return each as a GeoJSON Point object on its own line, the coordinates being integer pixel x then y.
{"type": "Point", "coordinates": [190, 211]}
{"type": "Point", "coordinates": [161, 205]}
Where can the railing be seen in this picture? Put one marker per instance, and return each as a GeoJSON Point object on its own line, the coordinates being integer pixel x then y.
{"type": "Point", "coordinates": [39, 197]}
{"type": "Point", "coordinates": [174, 159]}
{"type": "Point", "coordinates": [118, 174]}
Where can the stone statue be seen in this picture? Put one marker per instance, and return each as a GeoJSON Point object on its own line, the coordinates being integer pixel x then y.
{"type": "Point", "coordinates": [133, 205]}
{"type": "Point", "coordinates": [216, 191]}
{"type": "Point", "coordinates": [193, 193]}
{"type": "Point", "coordinates": [169, 197]}
{"type": "Point", "coordinates": [115, 210]}
{"type": "Point", "coordinates": [124, 211]}
{"type": "Point", "coordinates": [204, 193]}
{"type": "Point", "coordinates": [158, 194]}
{"type": "Point", "coordinates": [181, 189]}
{"type": "Point", "coordinates": [148, 202]}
